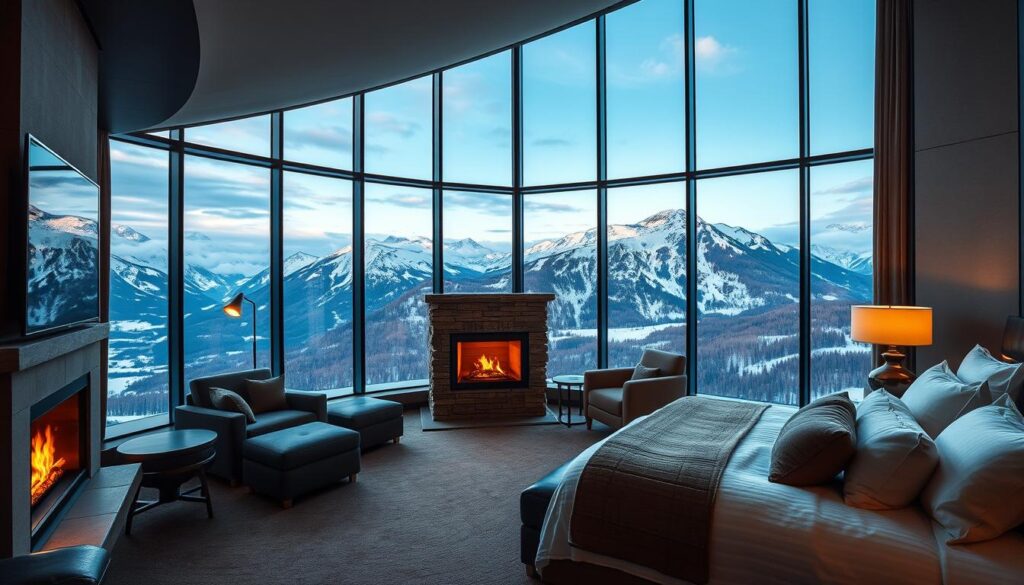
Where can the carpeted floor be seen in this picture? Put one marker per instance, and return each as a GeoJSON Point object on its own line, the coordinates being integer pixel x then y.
{"type": "Point", "coordinates": [440, 507]}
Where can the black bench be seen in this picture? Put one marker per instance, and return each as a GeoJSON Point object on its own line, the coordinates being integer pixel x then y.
{"type": "Point", "coordinates": [75, 565]}
{"type": "Point", "coordinates": [533, 506]}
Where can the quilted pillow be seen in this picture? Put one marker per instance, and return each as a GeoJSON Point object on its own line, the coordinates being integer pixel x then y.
{"type": "Point", "coordinates": [223, 399]}
{"type": "Point", "coordinates": [938, 397]}
{"type": "Point", "coordinates": [895, 457]}
{"type": "Point", "coordinates": [816, 443]}
{"type": "Point", "coordinates": [975, 493]}
{"type": "Point", "coordinates": [1002, 378]}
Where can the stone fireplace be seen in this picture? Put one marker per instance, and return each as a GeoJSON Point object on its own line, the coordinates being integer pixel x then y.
{"type": "Point", "coordinates": [50, 437]}
{"type": "Point", "coordinates": [488, 355]}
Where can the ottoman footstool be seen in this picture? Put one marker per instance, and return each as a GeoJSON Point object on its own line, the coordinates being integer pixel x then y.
{"type": "Point", "coordinates": [297, 460]}
{"type": "Point", "coordinates": [377, 421]}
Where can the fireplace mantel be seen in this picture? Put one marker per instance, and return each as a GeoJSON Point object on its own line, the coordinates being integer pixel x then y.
{"type": "Point", "coordinates": [22, 355]}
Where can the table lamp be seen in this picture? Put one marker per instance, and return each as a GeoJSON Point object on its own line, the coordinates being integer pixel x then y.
{"type": "Point", "coordinates": [891, 326]}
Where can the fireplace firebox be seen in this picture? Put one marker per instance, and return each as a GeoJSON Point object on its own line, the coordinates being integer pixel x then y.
{"type": "Point", "coordinates": [58, 451]}
{"type": "Point", "coordinates": [490, 360]}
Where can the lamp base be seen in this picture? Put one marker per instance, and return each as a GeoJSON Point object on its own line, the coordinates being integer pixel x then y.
{"type": "Point", "coordinates": [891, 376]}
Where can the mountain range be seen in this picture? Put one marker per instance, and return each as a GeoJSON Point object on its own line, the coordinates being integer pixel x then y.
{"type": "Point", "coordinates": [747, 292]}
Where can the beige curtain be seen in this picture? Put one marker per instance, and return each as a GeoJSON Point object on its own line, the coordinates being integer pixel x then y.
{"type": "Point", "coordinates": [894, 153]}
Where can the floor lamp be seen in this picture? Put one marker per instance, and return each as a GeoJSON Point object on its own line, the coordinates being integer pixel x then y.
{"type": "Point", "coordinates": [234, 309]}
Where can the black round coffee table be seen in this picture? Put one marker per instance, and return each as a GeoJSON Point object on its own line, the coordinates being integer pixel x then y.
{"type": "Point", "coordinates": [569, 383]}
{"type": "Point", "coordinates": [168, 460]}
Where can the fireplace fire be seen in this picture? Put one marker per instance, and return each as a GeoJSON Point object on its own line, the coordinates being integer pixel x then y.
{"type": "Point", "coordinates": [47, 468]}
{"type": "Point", "coordinates": [489, 360]}
{"type": "Point", "coordinates": [56, 454]}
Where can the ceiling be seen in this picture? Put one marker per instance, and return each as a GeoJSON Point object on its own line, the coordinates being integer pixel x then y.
{"type": "Point", "coordinates": [181, 62]}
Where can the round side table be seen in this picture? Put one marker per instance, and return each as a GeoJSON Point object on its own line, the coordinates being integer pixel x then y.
{"type": "Point", "coordinates": [568, 383]}
{"type": "Point", "coordinates": [168, 460]}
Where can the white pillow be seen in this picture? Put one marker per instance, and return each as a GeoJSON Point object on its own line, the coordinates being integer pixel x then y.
{"type": "Point", "coordinates": [976, 491]}
{"type": "Point", "coordinates": [938, 397]}
{"type": "Point", "coordinates": [1003, 378]}
{"type": "Point", "coordinates": [895, 457]}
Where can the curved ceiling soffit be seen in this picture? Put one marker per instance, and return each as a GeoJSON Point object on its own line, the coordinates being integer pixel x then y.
{"type": "Point", "coordinates": [149, 59]}
{"type": "Point", "coordinates": [257, 57]}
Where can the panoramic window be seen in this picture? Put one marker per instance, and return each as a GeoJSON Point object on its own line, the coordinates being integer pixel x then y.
{"type": "Point", "coordinates": [748, 284]}
{"type": "Point", "coordinates": [137, 366]}
{"type": "Point", "coordinates": [227, 251]}
{"type": "Point", "coordinates": [561, 257]}
{"type": "Point", "coordinates": [477, 242]}
{"type": "Point", "coordinates": [320, 134]}
{"type": "Point", "coordinates": [248, 135]}
{"type": "Point", "coordinates": [318, 283]}
{"type": "Point", "coordinates": [646, 83]}
{"type": "Point", "coordinates": [842, 206]}
{"type": "Point", "coordinates": [399, 131]}
{"type": "Point", "coordinates": [746, 70]}
{"type": "Point", "coordinates": [399, 271]}
{"type": "Point", "coordinates": [560, 107]}
{"type": "Point", "coordinates": [646, 271]}
{"type": "Point", "coordinates": [477, 99]}
{"type": "Point", "coordinates": [841, 59]}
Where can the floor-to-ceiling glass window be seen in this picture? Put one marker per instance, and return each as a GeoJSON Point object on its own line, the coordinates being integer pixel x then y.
{"type": "Point", "coordinates": [137, 356]}
{"type": "Point", "coordinates": [477, 120]}
{"type": "Point", "coordinates": [560, 239]}
{"type": "Point", "coordinates": [399, 130]}
{"type": "Point", "coordinates": [227, 251]}
{"type": "Point", "coordinates": [748, 286]}
{"type": "Point", "coordinates": [559, 107]}
{"type": "Point", "coordinates": [477, 242]}
{"type": "Point", "coordinates": [841, 273]}
{"type": "Point", "coordinates": [398, 271]}
{"type": "Point", "coordinates": [747, 161]}
{"type": "Point", "coordinates": [646, 271]}
{"type": "Point", "coordinates": [747, 68]}
{"type": "Point", "coordinates": [317, 225]}
{"type": "Point", "coordinates": [646, 80]}
{"type": "Point", "coordinates": [320, 135]}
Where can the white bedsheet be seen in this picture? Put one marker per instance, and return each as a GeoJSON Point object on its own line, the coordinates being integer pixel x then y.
{"type": "Point", "coordinates": [764, 532]}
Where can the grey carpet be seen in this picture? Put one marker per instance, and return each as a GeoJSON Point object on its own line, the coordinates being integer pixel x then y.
{"type": "Point", "coordinates": [436, 508]}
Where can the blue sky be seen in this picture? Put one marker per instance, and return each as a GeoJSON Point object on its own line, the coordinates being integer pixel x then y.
{"type": "Point", "coordinates": [746, 101]}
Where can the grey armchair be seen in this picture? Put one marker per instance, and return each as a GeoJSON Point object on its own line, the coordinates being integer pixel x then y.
{"type": "Point", "coordinates": [613, 398]}
{"type": "Point", "coordinates": [231, 427]}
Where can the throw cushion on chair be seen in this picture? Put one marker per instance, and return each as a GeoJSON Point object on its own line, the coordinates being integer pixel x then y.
{"type": "Point", "coordinates": [232, 402]}
{"type": "Point", "coordinates": [266, 395]}
{"type": "Point", "coordinates": [642, 372]}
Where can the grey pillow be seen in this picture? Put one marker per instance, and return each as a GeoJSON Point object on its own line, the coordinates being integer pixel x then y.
{"type": "Point", "coordinates": [266, 395]}
{"type": "Point", "coordinates": [643, 372]}
{"type": "Point", "coordinates": [816, 443]}
{"type": "Point", "coordinates": [895, 458]}
{"type": "Point", "coordinates": [975, 493]}
{"type": "Point", "coordinates": [223, 399]}
{"type": "Point", "coordinates": [1002, 378]}
{"type": "Point", "coordinates": [938, 397]}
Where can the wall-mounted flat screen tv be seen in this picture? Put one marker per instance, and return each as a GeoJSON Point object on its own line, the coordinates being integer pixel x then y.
{"type": "Point", "coordinates": [63, 276]}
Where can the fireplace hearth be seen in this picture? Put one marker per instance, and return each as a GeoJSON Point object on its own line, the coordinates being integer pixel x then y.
{"type": "Point", "coordinates": [488, 355]}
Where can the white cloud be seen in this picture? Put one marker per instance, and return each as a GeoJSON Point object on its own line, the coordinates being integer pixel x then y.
{"type": "Point", "coordinates": [712, 55]}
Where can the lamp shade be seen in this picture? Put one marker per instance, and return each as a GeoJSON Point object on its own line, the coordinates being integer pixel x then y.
{"type": "Point", "coordinates": [891, 325]}
{"type": "Point", "coordinates": [234, 306]}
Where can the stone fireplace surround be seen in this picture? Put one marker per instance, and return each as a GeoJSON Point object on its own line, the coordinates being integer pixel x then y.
{"type": "Point", "coordinates": [31, 371]}
{"type": "Point", "coordinates": [512, 313]}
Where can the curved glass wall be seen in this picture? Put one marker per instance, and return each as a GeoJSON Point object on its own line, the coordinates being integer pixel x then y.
{"type": "Point", "coordinates": [671, 188]}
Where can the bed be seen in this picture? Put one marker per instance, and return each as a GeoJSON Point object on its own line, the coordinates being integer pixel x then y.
{"type": "Point", "coordinates": [763, 532]}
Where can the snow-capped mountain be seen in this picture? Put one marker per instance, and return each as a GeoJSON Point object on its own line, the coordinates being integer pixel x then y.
{"type": "Point", "coordinates": [63, 269]}
{"type": "Point", "coordinates": [860, 263]}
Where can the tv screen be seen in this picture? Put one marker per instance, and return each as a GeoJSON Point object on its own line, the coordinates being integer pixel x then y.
{"type": "Point", "coordinates": [63, 274]}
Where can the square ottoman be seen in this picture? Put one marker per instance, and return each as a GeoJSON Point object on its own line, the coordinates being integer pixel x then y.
{"type": "Point", "coordinates": [297, 460]}
{"type": "Point", "coordinates": [377, 421]}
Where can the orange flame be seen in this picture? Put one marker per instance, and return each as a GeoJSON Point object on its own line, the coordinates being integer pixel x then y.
{"type": "Point", "coordinates": [489, 365]}
{"type": "Point", "coordinates": [46, 468]}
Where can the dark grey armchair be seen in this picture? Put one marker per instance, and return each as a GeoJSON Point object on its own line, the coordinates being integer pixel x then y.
{"type": "Point", "coordinates": [231, 427]}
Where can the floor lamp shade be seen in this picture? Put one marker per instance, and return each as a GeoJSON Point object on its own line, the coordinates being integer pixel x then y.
{"type": "Point", "coordinates": [234, 309]}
